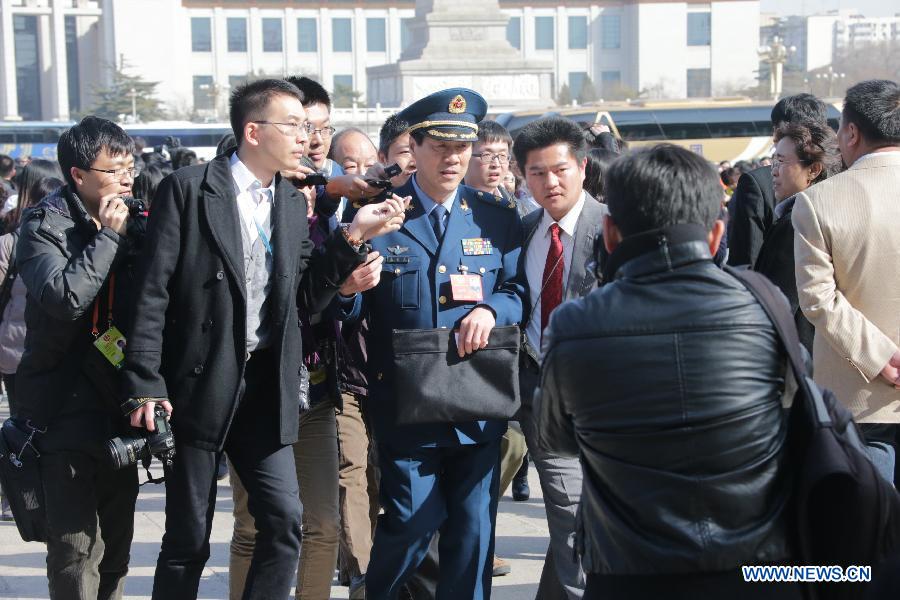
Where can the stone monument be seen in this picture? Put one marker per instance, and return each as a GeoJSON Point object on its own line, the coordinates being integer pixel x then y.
{"type": "Point", "coordinates": [462, 43]}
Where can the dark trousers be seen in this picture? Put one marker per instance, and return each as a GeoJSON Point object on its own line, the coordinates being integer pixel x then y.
{"type": "Point", "coordinates": [427, 489]}
{"type": "Point", "coordinates": [265, 467]}
{"type": "Point", "coordinates": [90, 523]}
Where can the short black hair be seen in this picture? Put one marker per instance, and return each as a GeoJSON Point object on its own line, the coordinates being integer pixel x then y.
{"type": "Point", "coordinates": [661, 186]}
{"type": "Point", "coordinates": [874, 107]}
{"type": "Point", "coordinates": [393, 128]}
{"type": "Point", "coordinates": [79, 145]}
{"type": "Point", "coordinates": [250, 100]}
{"type": "Point", "coordinates": [7, 164]}
{"type": "Point", "coordinates": [799, 108]}
{"type": "Point", "coordinates": [547, 132]}
{"type": "Point", "coordinates": [312, 91]}
{"type": "Point", "coordinates": [490, 132]}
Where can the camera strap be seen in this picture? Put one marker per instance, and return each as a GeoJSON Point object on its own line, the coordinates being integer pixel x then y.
{"type": "Point", "coordinates": [150, 478]}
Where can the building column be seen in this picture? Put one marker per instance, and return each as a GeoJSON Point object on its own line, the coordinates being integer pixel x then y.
{"type": "Point", "coordinates": [9, 96]}
{"type": "Point", "coordinates": [359, 32]}
{"type": "Point", "coordinates": [58, 73]}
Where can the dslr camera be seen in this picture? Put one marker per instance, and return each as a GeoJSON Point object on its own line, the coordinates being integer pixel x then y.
{"type": "Point", "coordinates": [125, 451]}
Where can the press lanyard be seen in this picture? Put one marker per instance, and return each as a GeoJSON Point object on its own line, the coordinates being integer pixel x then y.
{"type": "Point", "coordinates": [109, 318]}
{"type": "Point", "coordinates": [263, 237]}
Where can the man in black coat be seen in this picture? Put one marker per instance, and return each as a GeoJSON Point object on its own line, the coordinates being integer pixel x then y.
{"type": "Point", "coordinates": [216, 332]}
{"type": "Point", "coordinates": [752, 207]}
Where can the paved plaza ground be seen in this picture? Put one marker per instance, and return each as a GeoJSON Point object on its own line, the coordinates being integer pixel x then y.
{"type": "Point", "coordinates": [522, 539]}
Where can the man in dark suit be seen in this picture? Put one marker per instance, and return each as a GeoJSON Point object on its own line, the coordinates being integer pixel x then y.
{"type": "Point", "coordinates": [441, 476]}
{"type": "Point", "coordinates": [752, 207]}
{"type": "Point", "coordinates": [559, 259]}
{"type": "Point", "coordinates": [216, 332]}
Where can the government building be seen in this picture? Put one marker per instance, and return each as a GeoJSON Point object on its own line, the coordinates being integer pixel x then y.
{"type": "Point", "coordinates": [55, 52]}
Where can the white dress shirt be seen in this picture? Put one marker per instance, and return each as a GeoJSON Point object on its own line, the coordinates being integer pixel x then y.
{"type": "Point", "coordinates": [536, 259]}
{"type": "Point", "coordinates": [254, 205]}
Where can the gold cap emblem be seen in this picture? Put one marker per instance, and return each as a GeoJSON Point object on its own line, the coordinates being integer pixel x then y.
{"type": "Point", "coordinates": [458, 105]}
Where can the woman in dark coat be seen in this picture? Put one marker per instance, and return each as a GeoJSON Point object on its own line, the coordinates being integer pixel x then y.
{"type": "Point", "coordinates": [805, 154]}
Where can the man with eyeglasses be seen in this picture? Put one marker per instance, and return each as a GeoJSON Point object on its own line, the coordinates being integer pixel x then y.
{"type": "Point", "coordinates": [228, 266]}
{"type": "Point", "coordinates": [75, 255]}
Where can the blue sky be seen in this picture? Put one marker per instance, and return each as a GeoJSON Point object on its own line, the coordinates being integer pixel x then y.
{"type": "Point", "coordinates": [869, 8]}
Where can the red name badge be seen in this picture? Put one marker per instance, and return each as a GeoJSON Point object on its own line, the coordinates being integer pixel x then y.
{"type": "Point", "coordinates": [466, 288]}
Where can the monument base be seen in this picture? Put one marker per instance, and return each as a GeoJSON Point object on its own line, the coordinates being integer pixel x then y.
{"type": "Point", "coordinates": [507, 86]}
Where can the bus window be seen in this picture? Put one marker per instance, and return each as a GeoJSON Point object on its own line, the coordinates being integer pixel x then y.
{"type": "Point", "coordinates": [682, 124]}
{"type": "Point", "coordinates": [637, 125]}
{"type": "Point", "coordinates": [737, 121]}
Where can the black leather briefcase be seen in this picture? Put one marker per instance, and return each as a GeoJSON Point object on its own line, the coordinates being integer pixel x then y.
{"type": "Point", "coordinates": [434, 385]}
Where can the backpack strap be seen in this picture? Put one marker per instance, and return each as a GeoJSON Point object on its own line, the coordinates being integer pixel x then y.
{"type": "Point", "coordinates": [778, 311]}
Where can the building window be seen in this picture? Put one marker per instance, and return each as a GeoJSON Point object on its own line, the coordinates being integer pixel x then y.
{"type": "Point", "coordinates": [576, 82]}
{"type": "Point", "coordinates": [611, 32]}
{"type": "Point", "coordinates": [514, 32]}
{"type": "Point", "coordinates": [610, 78]}
{"type": "Point", "coordinates": [235, 81]}
{"type": "Point", "coordinates": [405, 34]}
{"type": "Point", "coordinates": [698, 83]}
{"type": "Point", "coordinates": [610, 81]}
{"type": "Point", "coordinates": [341, 35]}
{"type": "Point", "coordinates": [698, 29]}
{"type": "Point", "coordinates": [543, 33]}
{"type": "Point", "coordinates": [376, 36]}
{"type": "Point", "coordinates": [307, 35]}
{"type": "Point", "coordinates": [271, 34]}
{"type": "Point", "coordinates": [345, 82]}
{"type": "Point", "coordinates": [203, 92]}
{"type": "Point", "coordinates": [578, 33]}
{"type": "Point", "coordinates": [201, 34]}
{"type": "Point", "coordinates": [72, 63]}
{"type": "Point", "coordinates": [28, 67]}
{"type": "Point", "coordinates": [237, 34]}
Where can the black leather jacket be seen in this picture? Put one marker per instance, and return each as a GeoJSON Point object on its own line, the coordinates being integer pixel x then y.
{"type": "Point", "coordinates": [668, 382]}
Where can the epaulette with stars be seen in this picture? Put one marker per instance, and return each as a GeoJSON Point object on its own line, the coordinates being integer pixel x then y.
{"type": "Point", "coordinates": [495, 200]}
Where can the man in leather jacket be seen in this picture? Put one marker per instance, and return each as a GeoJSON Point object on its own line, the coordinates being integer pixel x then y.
{"type": "Point", "coordinates": [668, 382]}
{"type": "Point", "coordinates": [73, 255]}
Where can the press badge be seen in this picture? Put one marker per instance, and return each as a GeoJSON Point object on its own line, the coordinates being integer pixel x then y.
{"type": "Point", "coordinates": [466, 288]}
{"type": "Point", "coordinates": [111, 344]}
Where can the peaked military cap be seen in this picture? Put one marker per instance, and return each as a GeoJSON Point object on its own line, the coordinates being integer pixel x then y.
{"type": "Point", "coordinates": [449, 115]}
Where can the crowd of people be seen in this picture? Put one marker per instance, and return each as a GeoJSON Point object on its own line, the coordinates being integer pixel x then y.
{"type": "Point", "coordinates": [254, 304]}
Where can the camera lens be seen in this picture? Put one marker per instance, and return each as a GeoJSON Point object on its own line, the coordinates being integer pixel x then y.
{"type": "Point", "coordinates": [124, 452]}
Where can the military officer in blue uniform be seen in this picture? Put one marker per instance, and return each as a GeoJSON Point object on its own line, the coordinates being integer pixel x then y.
{"type": "Point", "coordinates": [440, 477]}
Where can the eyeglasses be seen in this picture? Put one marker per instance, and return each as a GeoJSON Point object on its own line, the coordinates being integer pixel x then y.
{"type": "Point", "coordinates": [117, 173]}
{"type": "Point", "coordinates": [777, 164]}
{"type": "Point", "coordinates": [290, 129]}
{"type": "Point", "coordinates": [490, 157]}
{"type": "Point", "coordinates": [325, 132]}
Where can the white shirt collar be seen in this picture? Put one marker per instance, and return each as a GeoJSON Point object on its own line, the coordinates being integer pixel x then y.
{"type": "Point", "coordinates": [567, 223]}
{"type": "Point", "coordinates": [245, 180]}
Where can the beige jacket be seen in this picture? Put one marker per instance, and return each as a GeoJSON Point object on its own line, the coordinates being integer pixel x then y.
{"type": "Point", "coordinates": [847, 257]}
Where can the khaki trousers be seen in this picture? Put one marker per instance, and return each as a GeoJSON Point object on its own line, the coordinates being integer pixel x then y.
{"type": "Point", "coordinates": [316, 459]}
{"type": "Point", "coordinates": [358, 486]}
{"type": "Point", "coordinates": [512, 451]}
